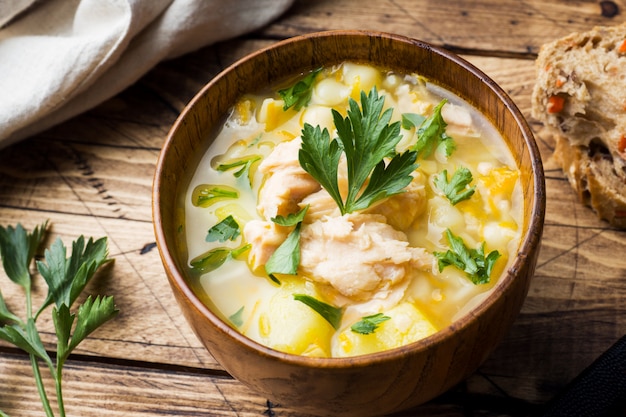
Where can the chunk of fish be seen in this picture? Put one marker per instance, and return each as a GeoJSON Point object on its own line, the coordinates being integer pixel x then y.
{"type": "Point", "coordinates": [264, 237]}
{"type": "Point", "coordinates": [358, 254]}
{"type": "Point", "coordinates": [286, 182]}
{"type": "Point", "coordinates": [402, 209]}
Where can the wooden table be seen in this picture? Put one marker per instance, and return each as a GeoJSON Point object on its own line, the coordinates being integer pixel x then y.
{"type": "Point", "coordinates": [92, 175]}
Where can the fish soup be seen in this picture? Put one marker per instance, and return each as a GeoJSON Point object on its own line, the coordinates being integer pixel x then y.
{"type": "Point", "coordinates": [349, 211]}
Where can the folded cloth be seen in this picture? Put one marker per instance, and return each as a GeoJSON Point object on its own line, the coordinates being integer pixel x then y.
{"type": "Point", "coordinates": [59, 58]}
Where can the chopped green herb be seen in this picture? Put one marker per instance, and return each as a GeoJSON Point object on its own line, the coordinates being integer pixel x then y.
{"type": "Point", "coordinates": [227, 229]}
{"type": "Point", "coordinates": [299, 94]}
{"type": "Point", "coordinates": [244, 165]}
{"type": "Point", "coordinates": [431, 135]}
{"type": "Point", "coordinates": [457, 188]}
{"type": "Point", "coordinates": [214, 258]}
{"type": "Point", "coordinates": [205, 195]}
{"type": "Point", "coordinates": [286, 257]}
{"type": "Point", "coordinates": [369, 324]}
{"type": "Point", "coordinates": [330, 313]}
{"type": "Point", "coordinates": [237, 317]}
{"type": "Point", "coordinates": [66, 279]}
{"type": "Point", "coordinates": [473, 262]}
{"type": "Point", "coordinates": [292, 219]}
{"type": "Point", "coordinates": [210, 260]}
{"type": "Point", "coordinates": [411, 120]}
{"type": "Point", "coordinates": [366, 138]}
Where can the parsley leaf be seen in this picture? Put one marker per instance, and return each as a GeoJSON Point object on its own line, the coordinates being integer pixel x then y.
{"type": "Point", "coordinates": [299, 94]}
{"type": "Point", "coordinates": [286, 257]}
{"type": "Point", "coordinates": [319, 156]}
{"type": "Point", "coordinates": [214, 258]}
{"type": "Point", "coordinates": [292, 219]}
{"type": "Point", "coordinates": [22, 246]}
{"type": "Point", "coordinates": [410, 120]}
{"type": "Point", "coordinates": [457, 188]}
{"type": "Point", "coordinates": [330, 313]}
{"type": "Point", "coordinates": [369, 324]}
{"type": "Point", "coordinates": [66, 278]}
{"type": "Point", "coordinates": [366, 138]}
{"type": "Point", "coordinates": [473, 262]}
{"type": "Point", "coordinates": [227, 229]}
{"type": "Point", "coordinates": [431, 135]}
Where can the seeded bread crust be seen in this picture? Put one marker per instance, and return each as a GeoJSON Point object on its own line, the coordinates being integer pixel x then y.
{"type": "Point", "coordinates": [580, 97]}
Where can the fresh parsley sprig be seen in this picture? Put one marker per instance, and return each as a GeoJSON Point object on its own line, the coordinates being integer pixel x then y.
{"type": "Point", "coordinates": [431, 132]}
{"type": "Point", "coordinates": [66, 279]}
{"type": "Point", "coordinates": [473, 262]}
{"type": "Point", "coordinates": [367, 139]}
{"type": "Point", "coordinates": [457, 188]}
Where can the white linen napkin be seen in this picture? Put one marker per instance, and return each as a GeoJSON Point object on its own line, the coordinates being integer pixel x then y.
{"type": "Point", "coordinates": [59, 58]}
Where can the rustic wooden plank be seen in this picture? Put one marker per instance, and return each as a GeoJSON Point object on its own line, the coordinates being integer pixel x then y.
{"type": "Point", "coordinates": [496, 27]}
{"type": "Point", "coordinates": [92, 388]}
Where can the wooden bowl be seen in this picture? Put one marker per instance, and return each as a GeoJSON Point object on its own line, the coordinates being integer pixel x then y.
{"type": "Point", "coordinates": [372, 384]}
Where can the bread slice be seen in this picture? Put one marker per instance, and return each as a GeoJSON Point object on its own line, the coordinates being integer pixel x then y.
{"type": "Point", "coordinates": [580, 97]}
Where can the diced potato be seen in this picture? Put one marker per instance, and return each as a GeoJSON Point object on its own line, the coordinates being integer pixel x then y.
{"type": "Point", "coordinates": [330, 92]}
{"type": "Point", "coordinates": [291, 326]}
{"type": "Point", "coordinates": [317, 115]}
{"type": "Point", "coordinates": [360, 78]}
{"type": "Point", "coordinates": [407, 324]}
{"type": "Point", "coordinates": [498, 235]}
{"type": "Point", "coordinates": [443, 214]}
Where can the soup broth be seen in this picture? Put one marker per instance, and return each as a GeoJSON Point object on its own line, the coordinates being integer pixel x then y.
{"type": "Point", "coordinates": [271, 251]}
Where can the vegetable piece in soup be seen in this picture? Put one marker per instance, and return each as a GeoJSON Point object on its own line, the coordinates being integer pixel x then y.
{"type": "Point", "coordinates": [351, 210]}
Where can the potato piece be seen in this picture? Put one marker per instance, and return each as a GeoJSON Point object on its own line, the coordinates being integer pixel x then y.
{"type": "Point", "coordinates": [290, 326]}
{"type": "Point", "coordinates": [407, 324]}
{"type": "Point", "coordinates": [360, 78]}
{"type": "Point", "coordinates": [330, 92]}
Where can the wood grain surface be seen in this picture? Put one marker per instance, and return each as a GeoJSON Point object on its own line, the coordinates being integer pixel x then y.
{"type": "Point", "coordinates": [93, 175]}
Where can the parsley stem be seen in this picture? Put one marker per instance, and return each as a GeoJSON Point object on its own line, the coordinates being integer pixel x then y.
{"type": "Point", "coordinates": [33, 359]}
{"type": "Point", "coordinates": [29, 303]}
{"type": "Point", "coordinates": [40, 388]}
{"type": "Point", "coordinates": [59, 390]}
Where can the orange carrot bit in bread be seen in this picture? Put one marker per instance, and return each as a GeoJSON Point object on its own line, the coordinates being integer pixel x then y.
{"type": "Point", "coordinates": [555, 104]}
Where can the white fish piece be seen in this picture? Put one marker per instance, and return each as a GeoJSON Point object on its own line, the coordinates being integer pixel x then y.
{"type": "Point", "coordinates": [358, 254]}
